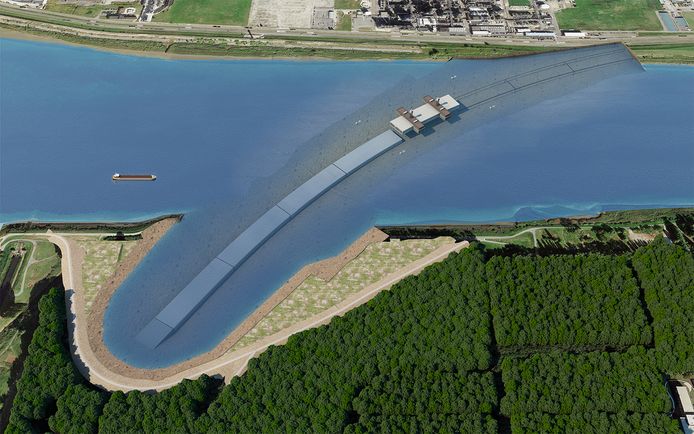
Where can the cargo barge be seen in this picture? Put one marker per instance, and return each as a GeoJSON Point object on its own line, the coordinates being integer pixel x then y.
{"type": "Point", "coordinates": [119, 177]}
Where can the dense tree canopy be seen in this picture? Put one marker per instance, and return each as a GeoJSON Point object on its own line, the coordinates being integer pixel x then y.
{"type": "Point", "coordinates": [48, 369]}
{"type": "Point", "coordinates": [436, 322]}
{"type": "Point", "coordinates": [666, 273]}
{"type": "Point", "coordinates": [594, 423]}
{"type": "Point", "coordinates": [78, 410]}
{"type": "Point", "coordinates": [423, 357]}
{"type": "Point", "coordinates": [563, 383]}
{"type": "Point", "coordinates": [425, 423]}
{"type": "Point", "coordinates": [421, 392]}
{"type": "Point", "coordinates": [566, 301]}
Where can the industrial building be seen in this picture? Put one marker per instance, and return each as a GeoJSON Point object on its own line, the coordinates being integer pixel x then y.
{"type": "Point", "coordinates": [685, 407]}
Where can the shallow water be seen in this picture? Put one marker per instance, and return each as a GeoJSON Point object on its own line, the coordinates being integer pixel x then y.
{"type": "Point", "coordinates": [228, 138]}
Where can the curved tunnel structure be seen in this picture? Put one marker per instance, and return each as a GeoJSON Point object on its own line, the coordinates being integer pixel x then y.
{"type": "Point", "coordinates": [221, 267]}
{"type": "Point", "coordinates": [193, 295]}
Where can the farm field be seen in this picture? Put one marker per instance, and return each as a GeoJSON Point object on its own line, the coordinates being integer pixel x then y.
{"type": "Point", "coordinates": [611, 15]}
{"type": "Point", "coordinates": [232, 12]}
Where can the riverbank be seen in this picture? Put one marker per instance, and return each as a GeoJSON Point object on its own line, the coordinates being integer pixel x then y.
{"type": "Point", "coordinates": [468, 231]}
{"type": "Point", "coordinates": [235, 46]}
{"type": "Point", "coordinates": [229, 358]}
{"type": "Point", "coordinates": [189, 48]}
{"type": "Point", "coordinates": [125, 227]}
{"type": "Point", "coordinates": [115, 365]}
{"type": "Point", "coordinates": [97, 364]}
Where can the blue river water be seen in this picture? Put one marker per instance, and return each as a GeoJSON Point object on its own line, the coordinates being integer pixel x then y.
{"type": "Point", "coordinates": [223, 136]}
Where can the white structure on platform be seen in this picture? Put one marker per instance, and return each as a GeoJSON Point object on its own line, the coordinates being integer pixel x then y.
{"type": "Point", "coordinates": [416, 118]}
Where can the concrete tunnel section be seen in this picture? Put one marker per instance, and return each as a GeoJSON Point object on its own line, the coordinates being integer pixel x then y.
{"type": "Point", "coordinates": [567, 64]}
{"type": "Point", "coordinates": [216, 272]}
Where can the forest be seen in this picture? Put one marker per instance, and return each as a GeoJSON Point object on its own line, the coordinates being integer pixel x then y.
{"type": "Point", "coordinates": [563, 383]}
{"type": "Point", "coordinates": [595, 423]}
{"type": "Point", "coordinates": [424, 357]}
{"type": "Point", "coordinates": [566, 301]}
{"type": "Point", "coordinates": [667, 277]}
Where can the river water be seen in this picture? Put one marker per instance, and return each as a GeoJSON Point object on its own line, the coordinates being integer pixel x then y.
{"type": "Point", "coordinates": [228, 138]}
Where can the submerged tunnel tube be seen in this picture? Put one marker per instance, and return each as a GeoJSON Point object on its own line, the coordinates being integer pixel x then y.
{"type": "Point", "coordinates": [183, 305]}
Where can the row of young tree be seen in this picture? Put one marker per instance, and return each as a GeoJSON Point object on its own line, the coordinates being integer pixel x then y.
{"type": "Point", "coordinates": [566, 302]}
{"type": "Point", "coordinates": [666, 273]}
{"type": "Point", "coordinates": [563, 383]}
{"type": "Point", "coordinates": [594, 423]}
{"type": "Point", "coordinates": [425, 423]}
{"type": "Point", "coordinates": [419, 392]}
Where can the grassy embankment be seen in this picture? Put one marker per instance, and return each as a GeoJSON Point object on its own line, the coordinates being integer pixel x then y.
{"type": "Point", "coordinates": [92, 11]}
{"type": "Point", "coordinates": [41, 266]}
{"type": "Point", "coordinates": [343, 48]}
{"type": "Point", "coordinates": [665, 53]}
{"type": "Point", "coordinates": [10, 342]}
{"type": "Point", "coordinates": [232, 12]}
{"type": "Point", "coordinates": [339, 49]}
{"type": "Point", "coordinates": [608, 227]}
{"type": "Point", "coordinates": [315, 295]}
{"type": "Point", "coordinates": [39, 261]}
{"type": "Point", "coordinates": [611, 15]}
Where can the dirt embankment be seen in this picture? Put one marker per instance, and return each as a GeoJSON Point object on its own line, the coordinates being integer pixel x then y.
{"type": "Point", "coordinates": [128, 227]}
{"type": "Point", "coordinates": [325, 269]}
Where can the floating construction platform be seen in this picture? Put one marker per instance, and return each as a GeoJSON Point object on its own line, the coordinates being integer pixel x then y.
{"type": "Point", "coordinates": [223, 265]}
{"type": "Point", "coordinates": [414, 120]}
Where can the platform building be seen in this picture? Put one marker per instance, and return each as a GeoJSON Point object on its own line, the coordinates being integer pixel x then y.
{"type": "Point", "coordinates": [415, 119]}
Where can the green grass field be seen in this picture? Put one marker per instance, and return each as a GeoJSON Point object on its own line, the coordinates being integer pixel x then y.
{"type": "Point", "coordinates": [665, 53]}
{"type": "Point", "coordinates": [87, 11]}
{"type": "Point", "coordinates": [689, 16]}
{"type": "Point", "coordinates": [518, 2]}
{"type": "Point", "coordinates": [347, 4]}
{"type": "Point", "coordinates": [233, 12]}
{"type": "Point", "coordinates": [43, 250]}
{"type": "Point", "coordinates": [611, 15]}
{"type": "Point", "coordinates": [10, 342]}
{"type": "Point", "coordinates": [344, 22]}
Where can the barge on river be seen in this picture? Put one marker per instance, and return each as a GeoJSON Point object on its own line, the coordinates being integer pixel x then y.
{"type": "Point", "coordinates": [119, 177]}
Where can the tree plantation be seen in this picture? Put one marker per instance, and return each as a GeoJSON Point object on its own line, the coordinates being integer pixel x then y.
{"type": "Point", "coordinates": [595, 423]}
{"type": "Point", "coordinates": [475, 344]}
{"type": "Point", "coordinates": [566, 302]}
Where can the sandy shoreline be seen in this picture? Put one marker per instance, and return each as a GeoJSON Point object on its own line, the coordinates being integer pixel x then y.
{"type": "Point", "coordinates": [324, 269]}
